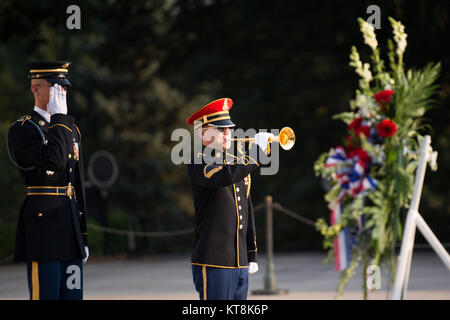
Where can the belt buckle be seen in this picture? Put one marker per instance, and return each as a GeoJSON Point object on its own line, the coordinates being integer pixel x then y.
{"type": "Point", "coordinates": [70, 191]}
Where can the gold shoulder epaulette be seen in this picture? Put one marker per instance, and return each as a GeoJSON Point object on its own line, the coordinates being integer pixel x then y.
{"type": "Point", "coordinates": [24, 118]}
{"type": "Point", "coordinates": [210, 173]}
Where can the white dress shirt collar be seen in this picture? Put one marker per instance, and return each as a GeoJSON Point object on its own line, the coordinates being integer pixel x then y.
{"type": "Point", "coordinates": [43, 113]}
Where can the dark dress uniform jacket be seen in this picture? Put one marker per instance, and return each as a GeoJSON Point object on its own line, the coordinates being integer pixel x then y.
{"type": "Point", "coordinates": [225, 225]}
{"type": "Point", "coordinates": [50, 227]}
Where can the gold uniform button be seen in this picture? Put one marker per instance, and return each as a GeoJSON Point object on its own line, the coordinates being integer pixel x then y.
{"type": "Point", "coordinates": [237, 189]}
{"type": "Point", "coordinates": [240, 208]}
{"type": "Point", "coordinates": [239, 198]}
{"type": "Point", "coordinates": [40, 214]}
{"type": "Point", "coordinates": [70, 156]}
{"type": "Point", "coordinates": [70, 170]}
{"type": "Point", "coordinates": [240, 217]}
{"type": "Point", "coordinates": [241, 226]}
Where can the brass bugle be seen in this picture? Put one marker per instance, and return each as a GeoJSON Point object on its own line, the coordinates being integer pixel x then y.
{"type": "Point", "coordinates": [286, 138]}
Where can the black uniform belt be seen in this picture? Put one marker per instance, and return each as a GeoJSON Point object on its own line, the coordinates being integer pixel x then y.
{"type": "Point", "coordinates": [68, 191]}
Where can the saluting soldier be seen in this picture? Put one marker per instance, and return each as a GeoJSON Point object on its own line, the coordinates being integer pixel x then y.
{"type": "Point", "coordinates": [224, 250]}
{"type": "Point", "coordinates": [46, 147]}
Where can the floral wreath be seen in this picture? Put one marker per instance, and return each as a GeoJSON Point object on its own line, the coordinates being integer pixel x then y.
{"type": "Point", "coordinates": [371, 174]}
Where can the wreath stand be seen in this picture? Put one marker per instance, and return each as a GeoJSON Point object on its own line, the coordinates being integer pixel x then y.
{"type": "Point", "coordinates": [414, 219]}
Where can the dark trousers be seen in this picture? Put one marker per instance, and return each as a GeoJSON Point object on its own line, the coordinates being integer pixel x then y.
{"type": "Point", "coordinates": [214, 283]}
{"type": "Point", "coordinates": [55, 280]}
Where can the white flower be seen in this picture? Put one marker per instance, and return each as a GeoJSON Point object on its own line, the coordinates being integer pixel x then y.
{"type": "Point", "coordinates": [366, 74]}
{"type": "Point", "coordinates": [399, 36]}
{"type": "Point", "coordinates": [366, 104]}
{"type": "Point", "coordinates": [362, 70]}
{"type": "Point", "coordinates": [378, 155]}
{"type": "Point", "coordinates": [368, 32]}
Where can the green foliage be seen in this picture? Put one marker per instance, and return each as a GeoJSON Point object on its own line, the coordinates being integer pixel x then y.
{"type": "Point", "coordinates": [346, 117]}
{"type": "Point", "coordinates": [7, 238]}
{"type": "Point", "coordinates": [118, 220]}
{"type": "Point", "coordinates": [96, 238]}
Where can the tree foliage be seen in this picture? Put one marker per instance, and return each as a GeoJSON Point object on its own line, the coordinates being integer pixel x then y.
{"type": "Point", "coordinates": [141, 67]}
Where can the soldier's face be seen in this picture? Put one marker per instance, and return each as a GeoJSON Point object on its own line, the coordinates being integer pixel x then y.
{"type": "Point", "coordinates": [220, 138]}
{"type": "Point", "coordinates": [226, 138]}
{"type": "Point", "coordinates": [41, 91]}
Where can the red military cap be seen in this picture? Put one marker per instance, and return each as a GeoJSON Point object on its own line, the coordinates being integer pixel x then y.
{"type": "Point", "coordinates": [214, 114]}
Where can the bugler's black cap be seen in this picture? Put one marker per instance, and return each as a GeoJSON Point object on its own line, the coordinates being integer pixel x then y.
{"type": "Point", "coordinates": [52, 71]}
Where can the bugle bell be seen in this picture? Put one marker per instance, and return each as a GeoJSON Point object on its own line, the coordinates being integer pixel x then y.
{"type": "Point", "coordinates": [286, 138]}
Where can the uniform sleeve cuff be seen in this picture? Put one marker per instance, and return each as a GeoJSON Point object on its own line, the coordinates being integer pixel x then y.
{"type": "Point", "coordinates": [61, 118]}
{"type": "Point", "coordinates": [251, 256]}
{"type": "Point", "coordinates": [85, 240]}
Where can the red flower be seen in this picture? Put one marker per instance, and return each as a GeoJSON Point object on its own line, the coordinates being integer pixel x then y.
{"type": "Point", "coordinates": [357, 127]}
{"type": "Point", "coordinates": [356, 124]}
{"type": "Point", "coordinates": [363, 156]}
{"type": "Point", "coordinates": [363, 129]}
{"type": "Point", "coordinates": [354, 152]}
{"type": "Point", "coordinates": [386, 128]}
{"type": "Point", "coordinates": [384, 96]}
{"type": "Point", "coordinates": [351, 146]}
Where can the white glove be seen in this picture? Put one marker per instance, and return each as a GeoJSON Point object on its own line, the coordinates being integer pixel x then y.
{"type": "Point", "coordinates": [86, 249]}
{"type": "Point", "coordinates": [57, 100]}
{"type": "Point", "coordinates": [252, 267]}
{"type": "Point", "coordinates": [262, 139]}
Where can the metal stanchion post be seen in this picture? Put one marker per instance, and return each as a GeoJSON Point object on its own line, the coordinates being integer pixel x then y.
{"type": "Point", "coordinates": [269, 275]}
{"type": "Point", "coordinates": [269, 278]}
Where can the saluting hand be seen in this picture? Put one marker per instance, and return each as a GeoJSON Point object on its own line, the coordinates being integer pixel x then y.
{"type": "Point", "coordinates": [57, 102]}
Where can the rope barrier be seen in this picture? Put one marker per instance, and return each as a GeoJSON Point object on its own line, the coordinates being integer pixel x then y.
{"type": "Point", "coordinates": [191, 230]}
{"type": "Point", "coordinates": [293, 215]}
{"type": "Point", "coordinates": [141, 233]}
{"type": "Point", "coordinates": [7, 259]}
{"type": "Point", "coordinates": [258, 207]}
{"type": "Point", "coordinates": [288, 212]}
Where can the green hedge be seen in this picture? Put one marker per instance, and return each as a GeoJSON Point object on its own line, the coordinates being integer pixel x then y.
{"type": "Point", "coordinates": [7, 238]}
